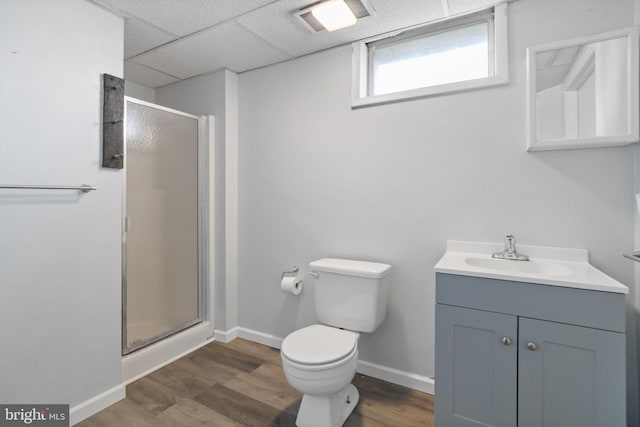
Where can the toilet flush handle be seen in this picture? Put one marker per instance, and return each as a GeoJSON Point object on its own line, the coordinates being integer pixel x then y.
{"type": "Point", "coordinates": [314, 274]}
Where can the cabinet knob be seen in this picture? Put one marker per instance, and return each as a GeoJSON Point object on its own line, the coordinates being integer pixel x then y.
{"type": "Point", "coordinates": [532, 346]}
{"type": "Point", "coordinates": [506, 340]}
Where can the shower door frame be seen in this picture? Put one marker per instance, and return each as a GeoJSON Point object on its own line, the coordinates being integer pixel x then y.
{"type": "Point", "coordinates": [202, 227]}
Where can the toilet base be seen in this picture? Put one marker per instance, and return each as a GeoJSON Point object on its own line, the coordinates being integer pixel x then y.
{"type": "Point", "coordinates": [329, 410]}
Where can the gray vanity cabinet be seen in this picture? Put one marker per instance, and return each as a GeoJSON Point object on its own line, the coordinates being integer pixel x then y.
{"type": "Point", "coordinates": [568, 375]}
{"type": "Point", "coordinates": [476, 375]}
{"type": "Point", "coordinates": [521, 354]}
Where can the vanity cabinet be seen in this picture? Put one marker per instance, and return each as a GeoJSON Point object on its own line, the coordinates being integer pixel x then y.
{"type": "Point", "coordinates": [523, 354]}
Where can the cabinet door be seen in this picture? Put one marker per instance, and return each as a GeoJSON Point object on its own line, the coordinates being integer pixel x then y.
{"type": "Point", "coordinates": [570, 376]}
{"type": "Point", "coordinates": [475, 370]}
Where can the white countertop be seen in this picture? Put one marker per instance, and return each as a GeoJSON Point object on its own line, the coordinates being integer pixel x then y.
{"type": "Point", "coordinates": [547, 266]}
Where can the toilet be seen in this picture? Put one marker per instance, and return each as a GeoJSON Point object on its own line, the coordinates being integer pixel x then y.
{"type": "Point", "coordinates": [320, 360]}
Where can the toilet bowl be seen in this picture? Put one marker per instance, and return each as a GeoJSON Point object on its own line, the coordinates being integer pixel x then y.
{"type": "Point", "coordinates": [320, 362]}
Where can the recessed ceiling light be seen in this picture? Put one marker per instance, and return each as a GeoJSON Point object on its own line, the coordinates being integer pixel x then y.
{"type": "Point", "coordinates": [334, 14]}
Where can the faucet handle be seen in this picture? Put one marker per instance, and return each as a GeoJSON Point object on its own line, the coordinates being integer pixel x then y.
{"type": "Point", "coordinates": [510, 242]}
{"type": "Point", "coordinates": [509, 251]}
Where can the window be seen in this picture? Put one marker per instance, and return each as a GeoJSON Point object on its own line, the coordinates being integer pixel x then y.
{"type": "Point", "coordinates": [452, 55]}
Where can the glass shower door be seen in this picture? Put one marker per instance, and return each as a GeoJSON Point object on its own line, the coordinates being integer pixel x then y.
{"type": "Point", "coordinates": [161, 290]}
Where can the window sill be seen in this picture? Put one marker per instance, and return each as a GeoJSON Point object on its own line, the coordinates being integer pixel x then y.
{"type": "Point", "coordinates": [425, 92]}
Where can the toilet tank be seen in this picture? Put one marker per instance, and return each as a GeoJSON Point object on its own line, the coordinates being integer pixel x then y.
{"type": "Point", "coordinates": [351, 294]}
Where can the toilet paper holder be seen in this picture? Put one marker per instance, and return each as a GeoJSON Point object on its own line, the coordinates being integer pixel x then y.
{"type": "Point", "coordinates": [294, 270]}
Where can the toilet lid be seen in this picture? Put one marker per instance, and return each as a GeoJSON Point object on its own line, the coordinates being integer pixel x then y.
{"type": "Point", "coordinates": [318, 344]}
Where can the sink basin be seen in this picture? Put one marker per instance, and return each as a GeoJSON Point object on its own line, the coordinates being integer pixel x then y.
{"type": "Point", "coordinates": [525, 267]}
{"type": "Point", "coordinates": [568, 267]}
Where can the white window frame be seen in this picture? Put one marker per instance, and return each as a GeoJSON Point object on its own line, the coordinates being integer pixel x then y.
{"type": "Point", "coordinates": [360, 70]}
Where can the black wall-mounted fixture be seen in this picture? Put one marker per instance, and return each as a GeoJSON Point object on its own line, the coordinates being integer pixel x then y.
{"type": "Point", "coordinates": [112, 122]}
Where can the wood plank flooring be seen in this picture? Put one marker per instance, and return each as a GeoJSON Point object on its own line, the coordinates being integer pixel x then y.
{"type": "Point", "coordinates": [241, 384]}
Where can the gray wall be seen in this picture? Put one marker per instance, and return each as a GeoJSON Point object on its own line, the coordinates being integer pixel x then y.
{"type": "Point", "coordinates": [216, 94]}
{"type": "Point", "coordinates": [59, 251]}
{"type": "Point", "coordinates": [392, 183]}
{"type": "Point", "coordinates": [635, 308]}
{"type": "Point", "coordinates": [139, 91]}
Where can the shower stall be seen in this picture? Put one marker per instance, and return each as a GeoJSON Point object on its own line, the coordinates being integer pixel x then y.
{"type": "Point", "coordinates": [165, 224]}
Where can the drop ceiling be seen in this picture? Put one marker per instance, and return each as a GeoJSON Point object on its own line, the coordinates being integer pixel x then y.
{"type": "Point", "coordinates": [170, 40]}
{"type": "Point", "coordinates": [552, 66]}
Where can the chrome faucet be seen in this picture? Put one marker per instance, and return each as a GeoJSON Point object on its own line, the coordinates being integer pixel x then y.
{"type": "Point", "coordinates": [510, 251]}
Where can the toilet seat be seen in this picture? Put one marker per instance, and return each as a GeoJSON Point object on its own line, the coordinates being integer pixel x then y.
{"type": "Point", "coordinates": [323, 373]}
{"type": "Point", "coordinates": [319, 345]}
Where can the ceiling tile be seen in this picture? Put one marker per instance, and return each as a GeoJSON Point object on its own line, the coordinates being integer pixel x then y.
{"type": "Point", "coordinates": [545, 59]}
{"type": "Point", "coordinates": [461, 6]}
{"type": "Point", "coordinates": [550, 77]}
{"type": "Point", "coordinates": [277, 23]}
{"type": "Point", "coordinates": [408, 12]}
{"type": "Point", "coordinates": [183, 17]}
{"type": "Point", "coordinates": [566, 56]}
{"type": "Point", "coordinates": [146, 76]}
{"type": "Point", "coordinates": [140, 37]}
{"type": "Point", "coordinates": [227, 45]}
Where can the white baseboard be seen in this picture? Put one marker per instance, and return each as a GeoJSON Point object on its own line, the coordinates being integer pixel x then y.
{"type": "Point", "coordinates": [96, 404]}
{"type": "Point", "coordinates": [395, 376]}
{"type": "Point", "coordinates": [225, 336]}
{"type": "Point", "coordinates": [260, 337]}
{"type": "Point", "coordinates": [405, 379]}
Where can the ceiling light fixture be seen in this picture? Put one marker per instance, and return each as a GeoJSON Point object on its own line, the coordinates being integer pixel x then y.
{"type": "Point", "coordinates": [334, 14]}
{"type": "Point", "coordinates": [311, 15]}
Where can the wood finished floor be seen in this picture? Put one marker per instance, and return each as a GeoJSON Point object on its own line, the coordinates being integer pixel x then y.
{"type": "Point", "coordinates": [242, 384]}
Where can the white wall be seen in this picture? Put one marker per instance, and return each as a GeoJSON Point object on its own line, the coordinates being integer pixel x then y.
{"type": "Point", "coordinates": [392, 183]}
{"type": "Point", "coordinates": [216, 94]}
{"type": "Point", "coordinates": [59, 250]}
{"type": "Point", "coordinates": [139, 91]}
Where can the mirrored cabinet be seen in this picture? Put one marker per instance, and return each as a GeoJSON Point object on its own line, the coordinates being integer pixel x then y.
{"type": "Point", "coordinates": [583, 93]}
